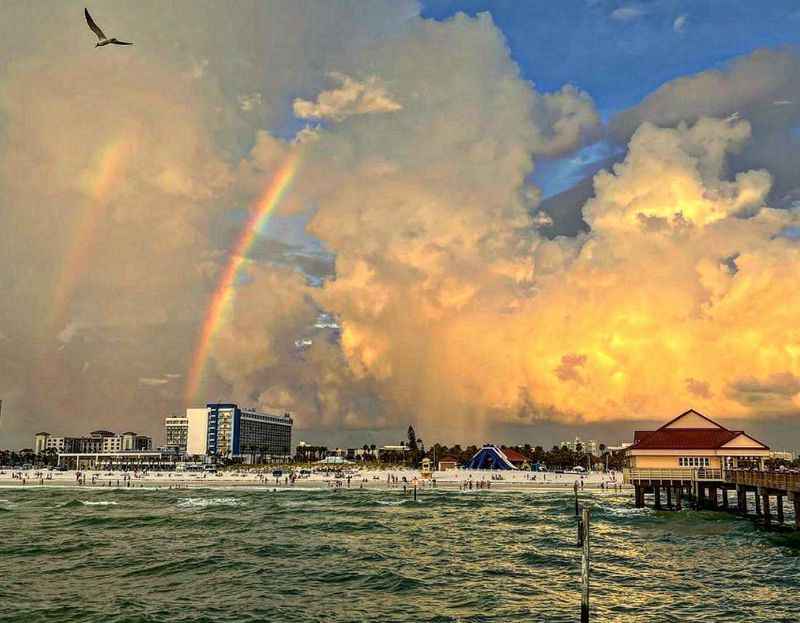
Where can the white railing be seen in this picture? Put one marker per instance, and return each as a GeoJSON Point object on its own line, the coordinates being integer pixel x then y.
{"type": "Point", "coordinates": [703, 473]}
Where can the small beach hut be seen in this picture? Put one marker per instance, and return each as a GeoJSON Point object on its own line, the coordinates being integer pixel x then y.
{"type": "Point", "coordinates": [448, 462]}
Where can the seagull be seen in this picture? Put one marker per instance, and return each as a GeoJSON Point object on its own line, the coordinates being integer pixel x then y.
{"type": "Point", "coordinates": [100, 34]}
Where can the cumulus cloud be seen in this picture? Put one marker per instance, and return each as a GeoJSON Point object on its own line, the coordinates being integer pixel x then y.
{"type": "Point", "coordinates": [679, 25]}
{"type": "Point", "coordinates": [350, 98]}
{"type": "Point", "coordinates": [563, 120]}
{"type": "Point", "coordinates": [447, 308]}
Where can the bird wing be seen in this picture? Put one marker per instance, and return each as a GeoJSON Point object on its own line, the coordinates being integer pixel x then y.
{"type": "Point", "coordinates": [118, 42]}
{"type": "Point", "coordinates": [95, 28]}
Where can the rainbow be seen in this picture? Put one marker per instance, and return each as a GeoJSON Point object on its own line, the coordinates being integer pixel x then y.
{"type": "Point", "coordinates": [224, 292]}
{"type": "Point", "coordinates": [98, 182]}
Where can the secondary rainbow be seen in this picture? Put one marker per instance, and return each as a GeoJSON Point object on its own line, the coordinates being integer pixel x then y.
{"type": "Point", "coordinates": [98, 183]}
{"type": "Point", "coordinates": [225, 290]}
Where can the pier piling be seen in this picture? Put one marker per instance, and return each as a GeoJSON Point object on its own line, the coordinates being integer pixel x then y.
{"type": "Point", "coordinates": [575, 489]}
{"type": "Point", "coordinates": [585, 517]}
{"type": "Point", "coordinates": [795, 498]}
{"type": "Point", "coordinates": [779, 500]}
{"type": "Point", "coordinates": [724, 497]}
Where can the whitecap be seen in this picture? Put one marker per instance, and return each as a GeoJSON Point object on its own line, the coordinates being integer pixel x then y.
{"type": "Point", "coordinates": [100, 503]}
{"type": "Point", "coordinates": [203, 502]}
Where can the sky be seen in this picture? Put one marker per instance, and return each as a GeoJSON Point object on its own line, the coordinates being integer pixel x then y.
{"type": "Point", "coordinates": [497, 221]}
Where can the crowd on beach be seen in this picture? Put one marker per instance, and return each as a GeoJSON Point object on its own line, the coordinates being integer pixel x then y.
{"type": "Point", "coordinates": [337, 478]}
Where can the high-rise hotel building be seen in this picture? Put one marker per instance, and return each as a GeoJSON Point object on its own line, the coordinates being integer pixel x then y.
{"type": "Point", "coordinates": [227, 430]}
{"type": "Point", "coordinates": [176, 431]}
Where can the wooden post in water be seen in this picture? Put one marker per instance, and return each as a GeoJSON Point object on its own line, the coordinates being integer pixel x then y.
{"type": "Point", "coordinates": [758, 503]}
{"type": "Point", "coordinates": [779, 500]}
{"type": "Point", "coordinates": [678, 496]}
{"type": "Point", "coordinates": [575, 488]}
{"type": "Point", "coordinates": [415, 492]}
{"type": "Point", "coordinates": [657, 493]}
{"type": "Point", "coordinates": [669, 496]}
{"type": "Point", "coordinates": [724, 497]}
{"type": "Point", "coordinates": [767, 517]}
{"type": "Point", "coordinates": [585, 566]}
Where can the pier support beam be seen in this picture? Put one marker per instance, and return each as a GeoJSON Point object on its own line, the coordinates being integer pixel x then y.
{"type": "Point", "coordinates": [657, 495]}
{"type": "Point", "coordinates": [765, 494]}
{"type": "Point", "coordinates": [678, 496]}
{"type": "Point", "coordinates": [795, 498]}
{"type": "Point", "coordinates": [669, 496]}
{"type": "Point", "coordinates": [758, 503]}
{"type": "Point", "coordinates": [712, 496]}
{"type": "Point", "coordinates": [701, 496]}
{"type": "Point", "coordinates": [724, 497]}
{"type": "Point", "coordinates": [779, 500]}
{"type": "Point", "coordinates": [638, 493]}
{"type": "Point", "coordinates": [741, 499]}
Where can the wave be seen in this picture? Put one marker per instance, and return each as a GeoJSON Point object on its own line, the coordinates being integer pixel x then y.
{"type": "Point", "coordinates": [99, 503]}
{"type": "Point", "coordinates": [206, 502]}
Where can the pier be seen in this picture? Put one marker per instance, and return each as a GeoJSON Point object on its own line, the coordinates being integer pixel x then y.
{"type": "Point", "coordinates": [733, 490]}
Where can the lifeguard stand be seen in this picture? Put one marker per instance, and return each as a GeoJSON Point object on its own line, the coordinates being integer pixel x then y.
{"type": "Point", "coordinates": [426, 468]}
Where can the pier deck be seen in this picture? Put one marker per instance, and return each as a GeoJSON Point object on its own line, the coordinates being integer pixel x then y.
{"type": "Point", "coordinates": [704, 486]}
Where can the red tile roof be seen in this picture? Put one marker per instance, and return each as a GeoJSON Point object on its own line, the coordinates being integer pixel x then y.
{"type": "Point", "coordinates": [683, 439]}
{"type": "Point", "coordinates": [686, 438]}
{"type": "Point", "coordinates": [514, 456]}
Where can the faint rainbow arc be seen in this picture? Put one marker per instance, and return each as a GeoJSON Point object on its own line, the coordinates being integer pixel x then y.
{"type": "Point", "coordinates": [110, 165]}
{"type": "Point", "coordinates": [224, 292]}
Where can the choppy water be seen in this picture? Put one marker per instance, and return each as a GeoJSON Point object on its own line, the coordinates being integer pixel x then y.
{"type": "Point", "coordinates": [323, 556]}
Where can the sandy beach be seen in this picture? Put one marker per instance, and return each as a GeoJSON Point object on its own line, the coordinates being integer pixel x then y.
{"type": "Point", "coordinates": [353, 478]}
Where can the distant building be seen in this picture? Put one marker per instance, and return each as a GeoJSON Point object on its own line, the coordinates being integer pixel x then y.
{"type": "Point", "coordinates": [123, 460]}
{"type": "Point", "coordinates": [586, 446]}
{"type": "Point", "coordinates": [176, 430]}
{"type": "Point", "coordinates": [623, 445]}
{"type": "Point", "coordinates": [99, 441]}
{"type": "Point", "coordinates": [785, 455]}
{"type": "Point", "coordinates": [226, 430]}
{"type": "Point", "coordinates": [447, 462]}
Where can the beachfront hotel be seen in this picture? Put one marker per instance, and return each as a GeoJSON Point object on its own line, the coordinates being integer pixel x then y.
{"type": "Point", "coordinates": [226, 430]}
{"type": "Point", "coordinates": [176, 433]}
{"type": "Point", "coordinates": [98, 442]}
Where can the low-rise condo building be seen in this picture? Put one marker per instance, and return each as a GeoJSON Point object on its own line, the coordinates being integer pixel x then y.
{"type": "Point", "coordinates": [99, 441]}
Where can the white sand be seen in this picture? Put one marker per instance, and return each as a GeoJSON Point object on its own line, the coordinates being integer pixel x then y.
{"type": "Point", "coordinates": [366, 478]}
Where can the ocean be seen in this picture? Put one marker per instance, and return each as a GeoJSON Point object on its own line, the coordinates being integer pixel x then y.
{"type": "Point", "coordinates": [211, 555]}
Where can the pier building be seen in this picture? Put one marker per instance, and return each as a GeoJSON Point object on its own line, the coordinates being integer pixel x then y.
{"type": "Point", "coordinates": [697, 457]}
{"type": "Point", "coordinates": [226, 430]}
